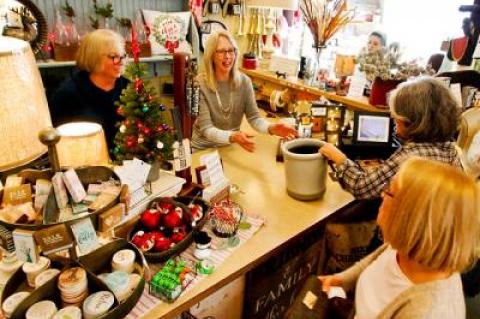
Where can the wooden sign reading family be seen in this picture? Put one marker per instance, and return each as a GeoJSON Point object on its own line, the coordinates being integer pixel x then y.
{"type": "Point", "coordinates": [272, 287]}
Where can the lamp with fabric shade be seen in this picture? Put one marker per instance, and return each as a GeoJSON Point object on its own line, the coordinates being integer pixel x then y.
{"type": "Point", "coordinates": [344, 67]}
{"type": "Point", "coordinates": [82, 144]}
{"type": "Point", "coordinates": [23, 105]}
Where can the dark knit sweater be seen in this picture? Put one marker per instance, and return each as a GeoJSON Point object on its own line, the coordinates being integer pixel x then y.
{"type": "Point", "coordinates": [78, 99]}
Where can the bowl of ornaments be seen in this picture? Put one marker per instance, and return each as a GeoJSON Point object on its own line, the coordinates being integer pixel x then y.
{"type": "Point", "coordinates": [166, 228]}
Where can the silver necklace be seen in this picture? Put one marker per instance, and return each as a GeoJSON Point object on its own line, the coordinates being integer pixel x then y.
{"type": "Point", "coordinates": [226, 111]}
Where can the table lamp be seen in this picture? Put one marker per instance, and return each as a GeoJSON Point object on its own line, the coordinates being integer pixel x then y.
{"type": "Point", "coordinates": [23, 105]}
{"type": "Point", "coordinates": [82, 144]}
{"type": "Point", "coordinates": [269, 25]}
{"type": "Point", "coordinates": [344, 66]}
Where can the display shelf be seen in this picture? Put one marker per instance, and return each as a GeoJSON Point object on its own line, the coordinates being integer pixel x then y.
{"type": "Point", "coordinates": [266, 81]}
{"type": "Point", "coordinates": [58, 64]}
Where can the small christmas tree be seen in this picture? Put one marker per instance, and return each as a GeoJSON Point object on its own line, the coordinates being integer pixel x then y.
{"type": "Point", "coordinates": [144, 133]}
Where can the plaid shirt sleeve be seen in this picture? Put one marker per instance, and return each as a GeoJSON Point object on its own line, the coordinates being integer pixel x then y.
{"type": "Point", "coordinates": [367, 184]}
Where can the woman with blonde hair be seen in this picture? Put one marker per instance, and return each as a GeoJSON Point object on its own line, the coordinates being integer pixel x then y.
{"type": "Point", "coordinates": [426, 118]}
{"type": "Point", "coordinates": [430, 223]}
{"type": "Point", "coordinates": [91, 93]}
{"type": "Point", "coordinates": [226, 96]}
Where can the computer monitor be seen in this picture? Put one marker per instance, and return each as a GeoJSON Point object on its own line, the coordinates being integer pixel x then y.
{"type": "Point", "coordinates": [373, 129]}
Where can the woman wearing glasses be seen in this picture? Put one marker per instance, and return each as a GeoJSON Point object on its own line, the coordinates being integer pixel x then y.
{"type": "Point", "coordinates": [226, 96]}
{"type": "Point", "coordinates": [91, 93]}
{"type": "Point", "coordinates": [430, 225]}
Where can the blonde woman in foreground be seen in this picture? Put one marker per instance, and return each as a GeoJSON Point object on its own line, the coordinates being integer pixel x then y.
{"type": "Point", "coordinates": [429, 219]}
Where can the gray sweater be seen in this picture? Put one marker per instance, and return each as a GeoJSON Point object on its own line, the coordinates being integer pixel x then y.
{"type": "Point", "coordinates": [213, 126]}
{"type": "Point", "coordinates": [432, 300]}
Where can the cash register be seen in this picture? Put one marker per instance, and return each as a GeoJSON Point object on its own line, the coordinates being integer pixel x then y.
{"type": "Point", "coordinates": [372, 137]}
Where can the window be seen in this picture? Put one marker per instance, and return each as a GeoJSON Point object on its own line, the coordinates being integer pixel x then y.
{"type": "Point", "coordinates": [420, 26]}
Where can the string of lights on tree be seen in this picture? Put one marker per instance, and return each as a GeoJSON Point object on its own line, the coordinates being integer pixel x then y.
{"type": "Point", "coordinates": [144, 132]}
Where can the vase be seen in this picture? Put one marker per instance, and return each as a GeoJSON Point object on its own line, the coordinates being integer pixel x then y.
{"type": "Point", "coordinates": [154, 173]}
{"type": "Point", "coordinates": [380, 90]}
{"type": "Point", "coordinates": [319, 79]}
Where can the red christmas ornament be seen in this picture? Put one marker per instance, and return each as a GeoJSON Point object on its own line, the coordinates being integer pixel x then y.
{"type": "Point", "coordinates": [162, 244]}
{"type": "Point", "coordinates": [138, 238]}
{"type": "Point", "coordinates": [120, 111]}
{"type": "Point", "coordinates": [151, 218]}
{"type": "Point", "coordinates": [146, 130]}
{"type": "Point", "coordinates": [172, 219]}
{"type": "Point", "coordinates": [131, 141]}
{"type": "Point", "coordinates": [138, 85]}
{"type": "Point", "coordinates": [144, 241]}
{"type": "Point", "coordinates": [160, 129]}
{"type": "Point", "coordinates": [156, 235]}
{"type": "Point", "coordinates": [178, 236]}
{"type": "Point", "coordinates": [165, 207]}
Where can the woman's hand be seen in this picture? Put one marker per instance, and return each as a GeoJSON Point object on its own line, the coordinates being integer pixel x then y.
{"type": "Point", "coordinates": [283, 130]}
{"type": "Point", "coordinates": [329, 281]}
{"type": "Point", "coordinates": [244, 140]}
{"type": "Point", "coordinates": [332, 153]}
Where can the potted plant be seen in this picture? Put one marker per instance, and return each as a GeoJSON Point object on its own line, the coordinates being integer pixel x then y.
{"type": "Point", "coordinates": [385, 72]}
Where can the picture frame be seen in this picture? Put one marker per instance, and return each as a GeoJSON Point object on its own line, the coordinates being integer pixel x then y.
{"type": "Point", "coordinates": [373, 129]}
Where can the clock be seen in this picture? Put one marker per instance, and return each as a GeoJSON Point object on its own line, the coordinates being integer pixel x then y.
{"type": "Point", "coordinates": [208, 28]}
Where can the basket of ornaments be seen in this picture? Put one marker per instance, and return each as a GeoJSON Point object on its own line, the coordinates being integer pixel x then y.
{"type": "Point", "coordinates": [167, 227]}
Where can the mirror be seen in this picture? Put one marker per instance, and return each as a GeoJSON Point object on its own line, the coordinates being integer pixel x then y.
{"type": "Point", "coordinates": [25, 21]}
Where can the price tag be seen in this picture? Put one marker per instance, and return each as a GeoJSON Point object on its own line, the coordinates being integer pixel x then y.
{"type": "Point", "coordinates": [357, 84]}
{"type": "Point", "coordinates": [53, 239]}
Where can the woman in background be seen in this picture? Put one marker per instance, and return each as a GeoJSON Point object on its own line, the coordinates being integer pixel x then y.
{"type": "Point", "coordinates": [91, 93]}
{"type": "Point", "coordinates": [376, 42]}
{"type": "Point", "coordinates": [226, 96]}
{"type": "Point", "coordinates": [430, 223]}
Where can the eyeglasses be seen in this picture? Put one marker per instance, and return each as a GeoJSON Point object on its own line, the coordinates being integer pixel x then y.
{"type": "Point", "coordinates": [117, 59]}
{"type": "Point", "coordinates": [226, 52]}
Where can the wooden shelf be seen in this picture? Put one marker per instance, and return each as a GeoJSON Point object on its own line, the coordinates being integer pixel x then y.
{"type": "Point", "coordinates": [266, 81]}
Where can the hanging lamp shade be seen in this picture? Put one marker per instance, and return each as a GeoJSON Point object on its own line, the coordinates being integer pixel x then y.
{"type": "Point", "coordinates": [23, 105]}
{"type": "Point", "coordinates": [82, 144]}
{"type": "Point", "coordinates": [281, 4]}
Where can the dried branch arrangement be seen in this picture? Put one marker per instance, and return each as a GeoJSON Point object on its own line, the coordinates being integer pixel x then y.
{"type": "Point", "coordinates": [325, 17]}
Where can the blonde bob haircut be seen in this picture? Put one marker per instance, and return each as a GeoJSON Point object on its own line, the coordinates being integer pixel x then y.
{"type": "Point", "coordinates": [95, 45]}
{"type": "Point", "coordinates": [434, 220]}
{"type": "Point", "coordinates": [209, 52]}
{"type": "Point", "coordinates": [428, 109]}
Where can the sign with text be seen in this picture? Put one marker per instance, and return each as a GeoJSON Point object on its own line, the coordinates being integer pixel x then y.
{"type": "Point", "coordinates": [53, 239]}
{"type": "Point", "coordinates": [17, 194]}
{"type": "Point", "coordinates": [271, 287]}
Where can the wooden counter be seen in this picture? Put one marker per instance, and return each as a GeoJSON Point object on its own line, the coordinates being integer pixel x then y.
{"type": "Point", "coordinates": [266, 81]}
{"type": "Point", "coordinates": [262, 180]}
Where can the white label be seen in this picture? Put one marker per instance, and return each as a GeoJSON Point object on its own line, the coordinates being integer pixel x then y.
{"type": "Point", "coordinates": [357, 84]}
